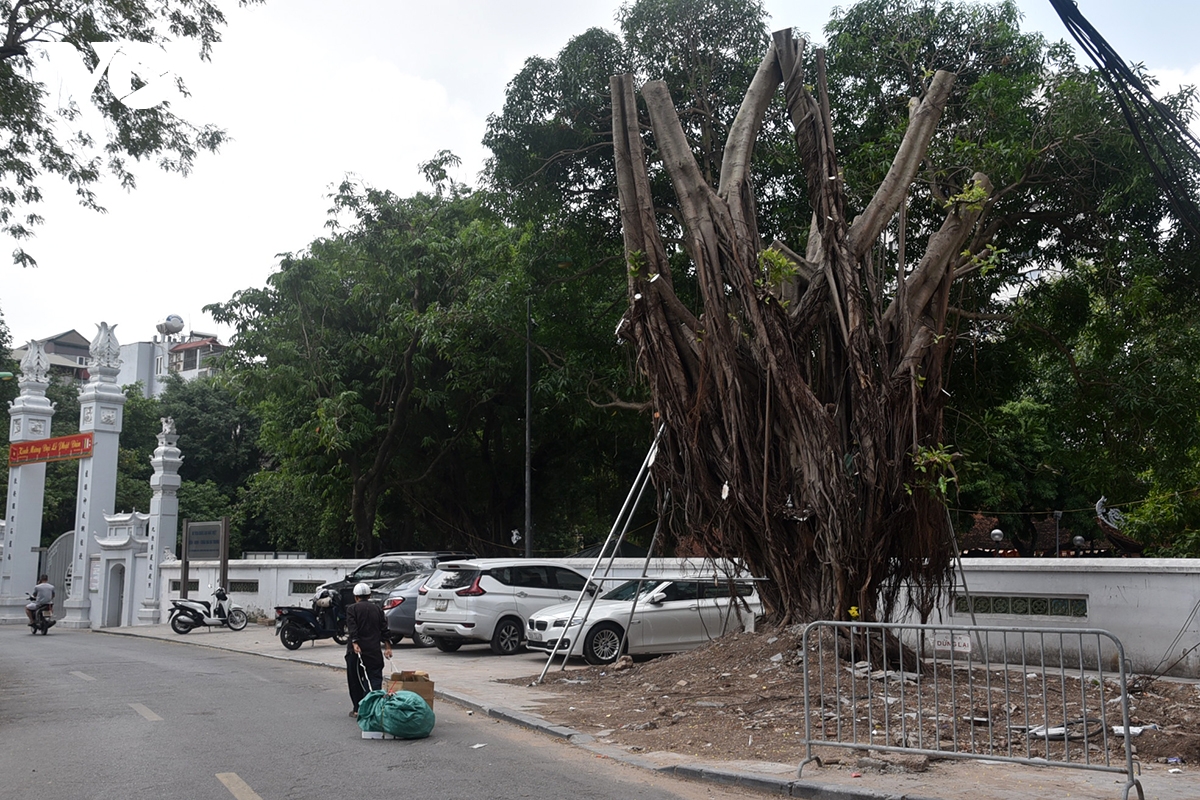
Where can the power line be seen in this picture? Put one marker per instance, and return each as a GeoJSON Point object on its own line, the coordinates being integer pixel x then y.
{"type": "Point", "coordinates": [1149, 120]}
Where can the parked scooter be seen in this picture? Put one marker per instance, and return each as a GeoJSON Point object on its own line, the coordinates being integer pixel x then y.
{"type": "Point", "coordinates": [43, 617]}
{"type": "Point", "coordinates": [296, 625]}
{"type": "Point", "coordinates": [188, 614]}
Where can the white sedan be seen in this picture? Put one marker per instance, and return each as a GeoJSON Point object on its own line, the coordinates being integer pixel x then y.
{"type": "Point", "coordinates": [669, 616]}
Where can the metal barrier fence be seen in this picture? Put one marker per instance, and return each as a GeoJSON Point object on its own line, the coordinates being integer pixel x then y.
{"type": "Point", "coordinates": [1040, 696]}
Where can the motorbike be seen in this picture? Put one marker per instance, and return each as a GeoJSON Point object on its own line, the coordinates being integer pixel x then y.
{"type": "Point", "coordinates": [295, 625]}
{"type": "Point", "coordinates": [43, 617]}
{"type": "Point", "coordinates": [188, 614]}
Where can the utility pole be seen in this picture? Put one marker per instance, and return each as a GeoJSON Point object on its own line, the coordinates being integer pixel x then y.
{"type": "Point", "coordinates": [528, 428]}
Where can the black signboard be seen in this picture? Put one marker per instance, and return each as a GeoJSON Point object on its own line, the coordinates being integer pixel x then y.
{"type": "Point", "coordinates": [205, 541]}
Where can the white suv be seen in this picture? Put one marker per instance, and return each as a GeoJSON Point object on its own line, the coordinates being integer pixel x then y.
{"type": "Point", "coordinates": [489, 599]}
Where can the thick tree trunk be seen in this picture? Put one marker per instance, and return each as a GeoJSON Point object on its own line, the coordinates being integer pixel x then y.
{"type": "Point", "coordinates": [796, 431]}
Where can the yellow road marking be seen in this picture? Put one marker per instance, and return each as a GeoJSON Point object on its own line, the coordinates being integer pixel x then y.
{"type": "Point", "coordinates": [83, 676]}
{"type": "Point", "coordinates": [237, 787]}
{"type": "Point", "coordinates": [145, 712]}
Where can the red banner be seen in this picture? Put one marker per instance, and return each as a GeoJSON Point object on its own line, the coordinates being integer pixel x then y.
{"type": "Point", "coordinates": [60, 448]}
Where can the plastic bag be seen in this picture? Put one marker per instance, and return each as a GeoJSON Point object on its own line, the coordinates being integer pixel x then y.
{"type": "Point", "coordinates": [404, 715]}
{"type": "Point", "coordinates": [369, 710]}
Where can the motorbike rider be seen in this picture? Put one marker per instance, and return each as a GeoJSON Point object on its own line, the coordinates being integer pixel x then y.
{"type": "Point", "coordinates": [367, 627]}
{"type": "Point", "coordinates": [43, 595]}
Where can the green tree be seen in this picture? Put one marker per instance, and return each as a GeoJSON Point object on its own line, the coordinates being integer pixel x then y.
{"type": "Point", "coordinates": [375, 354]}
{"type": "Point", "coordinates": [62, 477]}
{"type": "Point", "coordinates": [803, 395]}
{"type": "Point", "coordinates": [217, 436]}
{"type": "Point", "coordinates": [33, 122]}
{"type": "Point", "coordinates": [139, 431]}
{"type": "Point", "coordinates": [278, 510]}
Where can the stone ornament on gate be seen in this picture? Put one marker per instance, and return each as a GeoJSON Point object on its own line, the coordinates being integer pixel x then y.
{"type": "Point", "coordinates": [105, 350]}
{"type": "Point", "coordinates": [35, 364]}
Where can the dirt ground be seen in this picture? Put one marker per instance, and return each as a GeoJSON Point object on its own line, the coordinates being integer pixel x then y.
{"type": "Point", "coordinates": [742, 698]}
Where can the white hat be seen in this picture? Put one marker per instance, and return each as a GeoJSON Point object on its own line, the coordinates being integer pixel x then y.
{"type": "Point", "coordinates": [361, 590]}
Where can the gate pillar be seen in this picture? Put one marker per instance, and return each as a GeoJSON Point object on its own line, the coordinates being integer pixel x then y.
{"type": "Point", "coordinates": [101, 412]}
{"type": "Point", "coordinates": [30, 417]}
{"type": "Point", "coordinates": [164, 520]}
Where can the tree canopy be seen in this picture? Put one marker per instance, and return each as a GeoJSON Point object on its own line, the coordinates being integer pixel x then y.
{"type": "Point", "coordinates": [953, 165]}
{"type": "Point", "coordinates": [929, 282]}
{"type": "Point", "coordinates": [40, 123]}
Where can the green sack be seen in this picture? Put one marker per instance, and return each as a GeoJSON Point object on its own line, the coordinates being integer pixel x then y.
{"type": "Point", "coordinates": [404, 715]}
{"type": "Point", "coordinates": [369, 709]}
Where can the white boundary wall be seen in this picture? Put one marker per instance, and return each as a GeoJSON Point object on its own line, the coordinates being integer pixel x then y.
{"type": "Point", "coordinates": [276, 577]}
{"type": "Point", "coordinates": [1144, 602]}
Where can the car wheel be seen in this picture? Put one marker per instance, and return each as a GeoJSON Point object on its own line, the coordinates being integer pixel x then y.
{"type": "Point", "coordinates": [446, 645]}
{"type": "Point", "coordinates": [423, 640]}
{"type": "Point", "coordinates": [506, 639]}
{"type": "Point", "coordinates": [181, 624]}
{"type": "Point", "coordinates": [291, 636]}
{"type": "Point", "coordinates": [602, 644]}
{"type": "Point", "coordinates": [237, 619]}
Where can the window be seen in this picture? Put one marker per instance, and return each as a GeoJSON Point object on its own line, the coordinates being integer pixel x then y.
{"type": "Point", "coordinates": [303, 587]}
{"type": "Point", "coordinates": [1022, 605]}
{"type": "Point", "coordinates": [193, 586]}
{"type": "Point", "coordinates": [530, 577]}
{"type": "Point", "coordinates": [740, 589]}
{"type": "Point", "coordinates": [682, 591]}
{"type": "Point", "coordinates": [247, 587]}
{"type": "Point", "coordinates": [567, 580]}
{"type": "Point", "coordinates": [158, 365]}
{"type": "Point", "coordinates": [366, 572]}
{"type": "Point", "coordinates": [453, 578]}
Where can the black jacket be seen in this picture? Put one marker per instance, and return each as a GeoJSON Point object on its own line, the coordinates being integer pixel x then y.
{"type": "Point", "coordinates": [367, 626]}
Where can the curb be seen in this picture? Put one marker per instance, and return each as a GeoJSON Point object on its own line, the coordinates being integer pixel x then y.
{"type": "Point", "coordinates": [694, 772]}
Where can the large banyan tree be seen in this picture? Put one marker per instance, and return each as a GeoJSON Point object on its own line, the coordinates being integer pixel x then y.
{"type": "Point", "coordinates": [802, 394]}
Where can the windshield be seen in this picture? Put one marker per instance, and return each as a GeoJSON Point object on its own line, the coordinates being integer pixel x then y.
{"type": "Point", "coordinates": [365, 572]}
{"type": "Point", "coordinates": [452, 578]}
{"type": "Point", "coordinates": [403, 582]}
{"type": "Point", "coordinates": [626, 591]}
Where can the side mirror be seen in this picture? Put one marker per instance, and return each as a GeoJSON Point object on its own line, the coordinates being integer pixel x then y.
{"type": "Point", "coordinates": [591, 589]}
{"type": "Point", "coordinates": [657, 599]}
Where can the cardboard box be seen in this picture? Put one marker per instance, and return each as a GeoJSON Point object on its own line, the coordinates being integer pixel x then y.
{"type": "Point", "coordinates": [415, 681]}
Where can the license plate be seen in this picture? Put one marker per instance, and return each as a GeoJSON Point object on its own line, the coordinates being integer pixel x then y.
{"type": "Point", "coordinates": [278, 624]}
{"type": "Point", "coordinates": [441, 605]}
{"type": "Point", "coordinates": [533, 636]}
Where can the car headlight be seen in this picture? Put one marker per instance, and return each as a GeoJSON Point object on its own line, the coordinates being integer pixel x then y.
{"type": "Point", "coordinates": [558, 623]}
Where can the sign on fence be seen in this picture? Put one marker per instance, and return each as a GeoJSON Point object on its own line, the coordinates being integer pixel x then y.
{"type": "Point", "coordinates": [955, 641]}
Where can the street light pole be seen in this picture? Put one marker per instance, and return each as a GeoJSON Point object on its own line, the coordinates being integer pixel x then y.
{"type": "Point", "coordinates": [528, 428]}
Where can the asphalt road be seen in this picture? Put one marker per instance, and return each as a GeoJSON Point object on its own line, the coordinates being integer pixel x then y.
{"type": "Point", "coordinates": [89, 716]}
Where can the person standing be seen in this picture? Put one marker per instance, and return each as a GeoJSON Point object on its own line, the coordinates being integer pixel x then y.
{"type": "Point", "coordinates": [367, 626]}
{"type": "Point", "coordinates": [43, 595]}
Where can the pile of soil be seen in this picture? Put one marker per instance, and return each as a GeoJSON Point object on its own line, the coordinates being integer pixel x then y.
{"type": "Point", "coordinates": [741, 697]}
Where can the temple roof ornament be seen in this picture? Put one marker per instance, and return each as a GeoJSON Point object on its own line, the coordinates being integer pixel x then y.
{"type": "Point", "coordinates": [105, 350]}
{"type": "Point", "coordinates": [167, 437]}
{"type": "Point", "coordinates": [35, 365]}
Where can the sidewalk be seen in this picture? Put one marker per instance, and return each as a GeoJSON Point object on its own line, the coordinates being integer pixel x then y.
{"type": "Point", "coordinates": [470, 678]}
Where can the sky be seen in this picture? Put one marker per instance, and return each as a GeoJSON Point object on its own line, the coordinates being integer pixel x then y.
{"type": "Point", "coordinates": [311, 91]}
